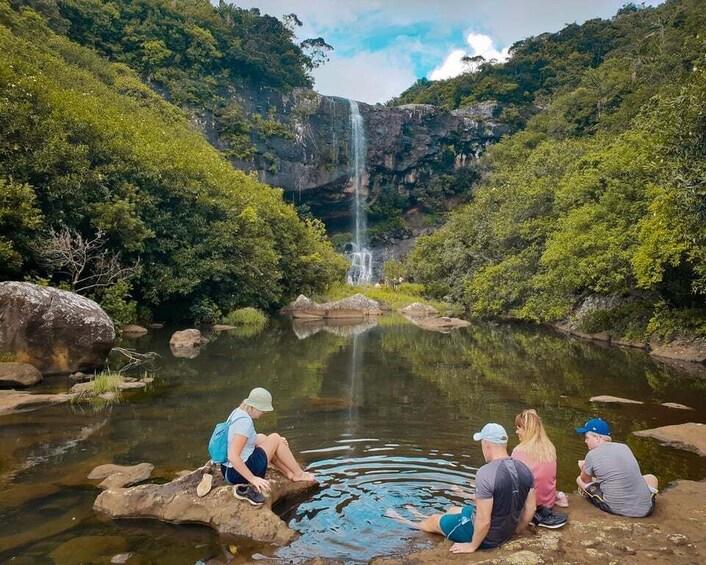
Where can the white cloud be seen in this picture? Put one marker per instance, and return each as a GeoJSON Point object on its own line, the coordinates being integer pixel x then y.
{"type": "Point", "coordinates": [494, 23]}
{"type": "Point", "coordinates": [367, 77]}
{"type": "Point", "coordinates": [454, 65]}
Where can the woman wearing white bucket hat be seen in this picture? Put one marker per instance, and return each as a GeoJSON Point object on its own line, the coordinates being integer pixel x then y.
{"type": "Point", "coordinates": [250, 452]}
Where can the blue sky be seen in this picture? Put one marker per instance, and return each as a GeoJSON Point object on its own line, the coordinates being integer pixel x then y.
{"type": "Point", "coordinates": [382, 46]}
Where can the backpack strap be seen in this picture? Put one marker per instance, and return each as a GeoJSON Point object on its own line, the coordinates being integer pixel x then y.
{"type": "Point", "coordinates": [514, 477]}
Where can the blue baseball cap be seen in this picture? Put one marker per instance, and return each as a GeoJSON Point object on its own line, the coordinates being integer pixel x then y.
{"type": "Point", "coordinates": [595, 425]}
{"type": "Point", "coordinates": [494, 433]}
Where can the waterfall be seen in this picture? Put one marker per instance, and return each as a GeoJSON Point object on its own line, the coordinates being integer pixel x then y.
{"type": "Point", "coordinates": [361, 269]}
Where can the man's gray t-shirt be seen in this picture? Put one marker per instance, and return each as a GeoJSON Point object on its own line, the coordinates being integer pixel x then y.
{"type": "Point", "coordinates": [507, 482]}
{"type": "Point", "coordinates": [244, 426]}
{"type": "Point", "coordinates": [624, 488]}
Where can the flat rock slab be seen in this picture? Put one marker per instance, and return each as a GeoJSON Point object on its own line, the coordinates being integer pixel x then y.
{"type": "Point", "coordinates": [353, 307]}
{"type": "Point", "coordinates": [117, 476]}
{"type": "Point", "coordinates": [12, 401]}
{"type": "Point", "coordinates": [676, 406]}
{"type": "Point", "coordinates": [19, 374]}
{"type": "Point", "coordinates": [442, 324]}
{"type": "Point", "coordinates": [177, 502]}
{"type": "Point", "coordinates": [690, 436]}
{"type": "Point", "coordinates": [613, 399]}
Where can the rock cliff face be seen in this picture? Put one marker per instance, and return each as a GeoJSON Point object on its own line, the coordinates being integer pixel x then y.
{"type": "Point", "coordinates": [301, 142]}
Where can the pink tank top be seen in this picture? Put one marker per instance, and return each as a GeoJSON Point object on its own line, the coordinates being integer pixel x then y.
{"type": "Point", "coordinates": [544, 478]}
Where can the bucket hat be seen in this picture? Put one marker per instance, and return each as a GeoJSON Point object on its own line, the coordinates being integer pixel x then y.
{"type": "Point", "coordinates": [261, 399]}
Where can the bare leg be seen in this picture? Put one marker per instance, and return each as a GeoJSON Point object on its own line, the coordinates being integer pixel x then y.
{"type": "Point", "coordinates": [281, 456]}
{"type": "Point", "coordinates": [273, 460]}
{"type": "Point", "coordinates": [651, 481]}
{"type": "Point", "coordinates": [416, 512]}
{"type": "Point", "coordinates": [430, 524]}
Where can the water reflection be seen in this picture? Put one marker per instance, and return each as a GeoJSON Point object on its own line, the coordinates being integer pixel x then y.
{"type": "Point", "coordinates": [384, 414]}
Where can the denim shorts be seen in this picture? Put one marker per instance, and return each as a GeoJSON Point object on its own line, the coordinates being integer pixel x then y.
{"type": "Point", "coordinates": [257, 463]}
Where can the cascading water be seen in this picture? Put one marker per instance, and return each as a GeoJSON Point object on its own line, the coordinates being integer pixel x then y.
{"type": "Point", "coordinates": [361, 269]}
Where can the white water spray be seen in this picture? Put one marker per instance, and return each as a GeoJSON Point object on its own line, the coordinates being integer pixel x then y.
{"type": "Point", "coordinates": [361, 269]}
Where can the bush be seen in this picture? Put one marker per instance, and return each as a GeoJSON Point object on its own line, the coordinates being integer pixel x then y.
{"type": "Point", "coordinates": [629, 320]}
{"type": "Point", "coordinates": [246, 317]}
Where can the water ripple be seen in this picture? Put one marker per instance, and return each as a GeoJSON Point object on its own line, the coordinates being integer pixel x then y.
{"type": "Point", "coordinates": [357, 488]}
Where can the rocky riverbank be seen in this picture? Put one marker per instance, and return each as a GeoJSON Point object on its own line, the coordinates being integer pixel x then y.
{"type": "Point", "coordinates": [673, 534]}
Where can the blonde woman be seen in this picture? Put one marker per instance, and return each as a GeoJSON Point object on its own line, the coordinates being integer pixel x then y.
{"type": "Point", "coordinates": [537, 452]}
{"type": "Point", "coordinates": [249, 452]}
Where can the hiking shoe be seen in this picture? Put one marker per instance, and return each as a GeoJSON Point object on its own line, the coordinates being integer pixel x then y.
{"type": "Point", "coordinates": [248, 494]}
{"type": "Point", "coordinates": [546, 518]}
{"type": "Point", "coordinates": [204, 486]}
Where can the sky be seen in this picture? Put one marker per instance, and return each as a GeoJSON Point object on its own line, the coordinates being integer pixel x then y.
{"type": "Point", "coordinates": [381, 47]}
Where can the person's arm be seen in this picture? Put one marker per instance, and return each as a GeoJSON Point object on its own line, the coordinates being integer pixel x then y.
{"type": "Point", "coordinates": [237, 442]}
{"type": "Point", "coordinates": [481, 526]}
{"type": "Point", "coordinates": [586, 476]}
{"type": "Point", "coordinates": [528, 511]}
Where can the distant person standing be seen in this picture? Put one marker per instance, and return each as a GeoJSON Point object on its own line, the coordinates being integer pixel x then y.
{"type": "Point", "coordinates": [505, 500]}
{"type": "Point", "coordinates": [610, 475]}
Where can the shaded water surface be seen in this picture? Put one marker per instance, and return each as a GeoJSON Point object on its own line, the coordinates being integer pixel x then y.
{"type": "Point", "coordinates": [383, 414]}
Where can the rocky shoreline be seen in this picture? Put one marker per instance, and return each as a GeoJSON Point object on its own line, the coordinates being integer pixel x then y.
{"type": "Point", "coordinates": [673, 534]}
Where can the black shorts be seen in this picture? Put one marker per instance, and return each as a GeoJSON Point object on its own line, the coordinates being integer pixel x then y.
{"type": "Point", "coordinates": [594, 494]}
{"type": "Point", "coordinates": [257, 463]}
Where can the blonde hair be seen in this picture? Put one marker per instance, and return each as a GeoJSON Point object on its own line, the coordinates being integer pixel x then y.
{"type": "Point", "coordinates": [535, 443]}
{"type": "Point", "coordinates": [247, 408]}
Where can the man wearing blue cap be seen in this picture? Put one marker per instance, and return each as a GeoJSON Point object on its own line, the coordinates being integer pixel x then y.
{"type": "Point", "coordinates": [505, 500]}
{"type": "Point", "coordinates": [610, 476]}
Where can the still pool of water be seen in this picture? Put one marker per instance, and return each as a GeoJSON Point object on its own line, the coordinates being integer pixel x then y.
{"type": "Point", "coordinates": [382, 413]}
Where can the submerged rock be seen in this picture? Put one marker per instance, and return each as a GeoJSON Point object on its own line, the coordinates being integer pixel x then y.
{"type": "Point", "coordinates": [690, 436]}
{"type": "Point", "coordinates": [133, 330]}
{"type": "Point", "coordinates": [19, 374]}
{"type": "Point", "coordinates": [54, 330]}
{"type": "Point", "coordinates": [178, 502]}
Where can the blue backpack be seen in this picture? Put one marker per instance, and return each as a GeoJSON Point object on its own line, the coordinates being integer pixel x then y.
{"type": "Point", "coordinates": [218, 444]}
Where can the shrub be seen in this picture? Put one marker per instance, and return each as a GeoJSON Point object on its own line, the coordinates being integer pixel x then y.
{"type": "Point", "coordinates": [246, 317]}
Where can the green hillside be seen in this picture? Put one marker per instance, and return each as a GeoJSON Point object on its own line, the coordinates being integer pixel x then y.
{"type": "Point", "coordinates": [85, 145]}
{"type": "Point", "coordinates": [602, 193]}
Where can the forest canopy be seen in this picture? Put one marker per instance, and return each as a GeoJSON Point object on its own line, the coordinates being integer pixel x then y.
{"type": "Point", "coordinates": [85, 146]}
{"type": "Point", "coordinates": [602, 193]}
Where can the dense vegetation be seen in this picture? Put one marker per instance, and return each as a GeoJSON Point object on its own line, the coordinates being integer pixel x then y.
{"type": "Point", "coordinates": [86, 146]}
{"type": "Point", "coordinates": [602, 193]}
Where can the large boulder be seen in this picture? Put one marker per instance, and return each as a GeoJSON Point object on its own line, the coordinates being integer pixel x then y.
{"type": "Point", "coordinates": [353, 307]}
{"type": "Point", "coordinates": [18, 374]}
{"type": "Point", "coordinates": [305, 308]}
{"type": "Point", "coordinates": [178, 502]}
{"type": "Point", "coordinates": [356, 306]}
{"type": "Point", "coordinates": [54, 330]}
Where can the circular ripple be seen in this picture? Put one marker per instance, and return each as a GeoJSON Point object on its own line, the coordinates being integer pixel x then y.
{"type": "Point", "coordinates": [360, 479]}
